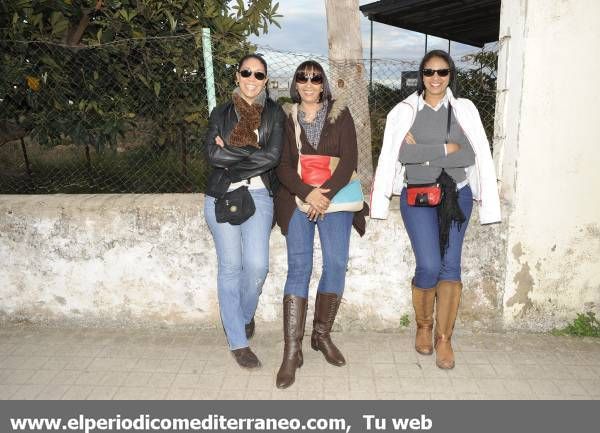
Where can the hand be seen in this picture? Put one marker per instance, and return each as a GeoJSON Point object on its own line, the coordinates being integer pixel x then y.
{"type": "Point", "coordinates": [452, 148]}
{"type": "Point", "coordinates": [317, 200]}
{"type": "Point", "coordinates": [314, 214]}
{"type": "Point", "coordinates": [410, 139]}
{"type": "Point", "coordinates": [219, 141]}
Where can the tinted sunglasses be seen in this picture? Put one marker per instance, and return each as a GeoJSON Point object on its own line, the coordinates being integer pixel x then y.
{"type": "Point", "coordinates": [440, 72]}
{"type": "Point", "coordinates": [246, 73]}
{"type": "Point", "coordinates": [303, 77]}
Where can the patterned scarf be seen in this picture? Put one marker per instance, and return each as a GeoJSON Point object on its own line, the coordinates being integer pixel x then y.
{"type": "Point", "coordinates": [244, 132]}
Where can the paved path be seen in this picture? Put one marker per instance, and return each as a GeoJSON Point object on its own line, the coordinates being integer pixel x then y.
{"type": "Point", "coordinates": [43, 363]}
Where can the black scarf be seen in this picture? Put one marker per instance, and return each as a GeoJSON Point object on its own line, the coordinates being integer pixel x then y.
{"type": "Point", "coordinates": [448, 210]}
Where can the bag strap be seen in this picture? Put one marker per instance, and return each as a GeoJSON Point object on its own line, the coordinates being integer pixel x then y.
{"type": "Point", "coordinates": [296, 127]}
{"type": "Point", "coordinates": [448, 122]}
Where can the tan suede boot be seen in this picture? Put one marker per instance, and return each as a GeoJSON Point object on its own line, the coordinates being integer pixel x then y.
{"type": "Point", "coordinates": [447, 302]}
{"type": "Point", "coordinates": [423, 303]}
{"type": "Point", "coordinates": [326, 307]}
{"type": "Point", "coordinates": [294, 318]}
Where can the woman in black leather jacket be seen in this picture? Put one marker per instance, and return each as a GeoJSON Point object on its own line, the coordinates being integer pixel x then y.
{"type": "Point", "coordinates": [243, 144]}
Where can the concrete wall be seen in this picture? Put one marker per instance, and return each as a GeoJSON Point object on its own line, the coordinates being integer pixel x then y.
{"type": "Point", "coordinates": [547, 152]}
{"type": "Point", "coordinates": [149, 259]}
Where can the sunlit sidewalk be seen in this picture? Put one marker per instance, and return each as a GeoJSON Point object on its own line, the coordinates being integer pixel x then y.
{"type": "Point", "coordinates": [77, 364]}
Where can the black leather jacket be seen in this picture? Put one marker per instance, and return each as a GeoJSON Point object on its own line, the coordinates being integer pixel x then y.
{"type": "Point", "coordinates": [233, 164]}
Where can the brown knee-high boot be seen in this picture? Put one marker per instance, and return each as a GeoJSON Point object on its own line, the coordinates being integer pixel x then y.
{"type": "Point", "coordinates": [326, 307]}
{"type": "Point", "coordinates": [423, 303]}
{"type": "Point", "coordinates": [294, 318]}
{"type": "Point", "coordinates": [447, 302]}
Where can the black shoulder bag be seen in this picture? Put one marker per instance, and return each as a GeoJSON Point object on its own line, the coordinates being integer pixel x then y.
{"type": "Point", "coordinates": [234, 207]}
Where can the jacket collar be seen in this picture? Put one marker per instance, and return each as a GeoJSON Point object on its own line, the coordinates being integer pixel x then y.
{"type": "Point", "coordinates": [336, 107]}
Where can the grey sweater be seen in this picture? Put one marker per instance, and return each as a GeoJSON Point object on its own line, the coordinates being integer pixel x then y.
{"type": "Point", "coordinates": [429, 130]}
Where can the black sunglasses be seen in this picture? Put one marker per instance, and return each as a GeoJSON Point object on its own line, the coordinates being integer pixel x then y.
{"type": "Point", "coordinates": [259, 75]}
{"type": "Point", "coordinates": [303, 77]}
{"type": "Point", "coordinates": [440, 72]}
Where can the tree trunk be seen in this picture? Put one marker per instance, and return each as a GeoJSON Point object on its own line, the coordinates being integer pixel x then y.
{"type": "Point", "coordinates": [348, 76]}
{"type": "Point", "coordinates": [74, 35]}
{"type": "Point", "coordinates": [25, 158]}
{"type": "Point", "coordinates": [88, 160]}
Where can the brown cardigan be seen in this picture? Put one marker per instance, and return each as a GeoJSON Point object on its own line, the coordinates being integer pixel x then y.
{"type": "Point", "coordinates": [338, 138]}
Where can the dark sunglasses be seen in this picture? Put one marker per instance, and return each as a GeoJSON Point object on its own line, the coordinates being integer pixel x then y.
{"type": "Point", "coordinates": [440, 72]}
{"type": "Point", "coordinates": [246, 73]}
{"type": "Point", "coordinates": [302, 77]}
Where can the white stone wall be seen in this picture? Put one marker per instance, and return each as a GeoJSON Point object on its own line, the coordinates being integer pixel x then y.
{"type": "Point", "coordinates": [149, 259]}
{"type": "Point", "coordinates": [547, 150]}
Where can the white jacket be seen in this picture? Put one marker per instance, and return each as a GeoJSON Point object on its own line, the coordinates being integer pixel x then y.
{"type": "Point", "coordinates": [389, 176]}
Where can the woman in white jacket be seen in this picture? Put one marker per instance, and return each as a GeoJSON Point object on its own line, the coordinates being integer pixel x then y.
{"type": "Point", "coordinates": [432, 137]}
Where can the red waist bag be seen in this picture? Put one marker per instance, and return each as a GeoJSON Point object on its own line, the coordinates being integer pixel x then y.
{"type": "Point", "coordinates": [424, 195]}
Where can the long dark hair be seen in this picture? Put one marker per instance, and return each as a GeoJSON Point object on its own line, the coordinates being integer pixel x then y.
{"type": "Point", "coordinates": [452, 84]}
{"type": "Point", "coordinates": [311, 65]}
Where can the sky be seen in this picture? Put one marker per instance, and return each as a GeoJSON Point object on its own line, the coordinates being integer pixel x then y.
{"type": "Point", "coordinates": [304, 30]}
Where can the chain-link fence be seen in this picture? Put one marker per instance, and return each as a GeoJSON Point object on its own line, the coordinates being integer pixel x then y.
{"type": "Point", "coordinates": [130, 116]}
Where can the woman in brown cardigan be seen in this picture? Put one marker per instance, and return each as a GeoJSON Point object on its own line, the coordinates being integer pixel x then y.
{"type": "Point", "coordinates": [326, 128]}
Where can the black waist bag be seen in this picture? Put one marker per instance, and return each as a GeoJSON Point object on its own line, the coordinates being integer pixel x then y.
{"type": "Point", "coordinates": [234, 207]}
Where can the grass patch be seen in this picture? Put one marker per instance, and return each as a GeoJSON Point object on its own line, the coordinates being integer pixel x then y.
{"type": "Point", "coordinates": [584, 325]}
{"type": "Point", "coordinates": [404, 321]}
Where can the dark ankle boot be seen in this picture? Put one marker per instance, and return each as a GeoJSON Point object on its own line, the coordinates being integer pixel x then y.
{"type": "Point", "coordinates": [294, 318]}
{"type": "Point", "coordinates": [326, 307]}
{"type": "Point", "coordinates": [447, 303]}
{"type": "Point", "coordinates": [246, 358]}
{"type": "Point", "coordinates": [423, 302]}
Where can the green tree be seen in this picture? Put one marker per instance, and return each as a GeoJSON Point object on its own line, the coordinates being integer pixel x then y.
{"type": "Point", "coordinates": [86, 71]}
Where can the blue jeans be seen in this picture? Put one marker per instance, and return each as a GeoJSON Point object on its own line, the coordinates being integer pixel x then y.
{"type": "Point", "coordinates": [423, 230]}
{"type": "Point", "coordinates": [334, 234]}
{"type": "Point", "coordinates": [243, 259]}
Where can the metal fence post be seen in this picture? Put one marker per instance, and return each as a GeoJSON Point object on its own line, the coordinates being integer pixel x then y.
{"type": "Point", "coordinates": [208, 69]}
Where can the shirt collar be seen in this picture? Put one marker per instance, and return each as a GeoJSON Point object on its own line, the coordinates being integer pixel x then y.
{"type": "Point", "coordinates": [421, 102]}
